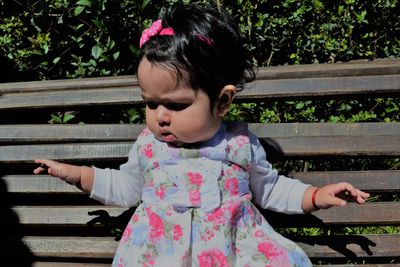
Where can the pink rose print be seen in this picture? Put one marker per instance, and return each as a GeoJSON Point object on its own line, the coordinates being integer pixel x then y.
{"type": "Point", "coordinates": [235, 210]}
{"type": "Point", "coordinates": [127, 233]}
{"type": "Point", "coordinates": [121, 262]}
{"type": "Point", "coordinates": [275, 254]}
{"type": "Point", "coordinates": [149, 260]}
{"type": "Point", "coordinates": [195, 178]}
{"type": "Point", "coordinates": [135, 218]}
{"type": "Point", "coordinates": [156, 165]}
{"type": "Point", "coordinates": [160, 192]}
{"type": "Point", "coordinates": [232, 186]}
{"type": "Point", "coordinates": [218, 218]}
{"type": "Point", "coordinates": [156, 231]}
{"type": "Point", "coordinates": [212, 258]}
{"type": "Point", "coordinates": [208, 235]}
{"type": "Point", "coordinates": [177, 232]}
{"type": "Point", "coordinates": [145, 132]}
{"type": "Point", "coordinates": [236, 167]}
{"type": "Point", "coordinates": [241, 140]}
{"type": "Point", "coordinates": [194, 196]}
{"type": "Point", "coordinates": [259, 233]}
{"type": "Point", "coordinates": [147, 150]}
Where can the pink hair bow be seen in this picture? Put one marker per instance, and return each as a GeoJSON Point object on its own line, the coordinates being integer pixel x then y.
{"type": "Point", "coordinates": [155, 29]}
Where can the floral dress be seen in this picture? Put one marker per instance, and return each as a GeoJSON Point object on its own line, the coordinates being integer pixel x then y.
{"type": "Point", "coordinates": [196, 209]}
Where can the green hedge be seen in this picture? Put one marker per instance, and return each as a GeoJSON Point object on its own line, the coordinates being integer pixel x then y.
{"type": "Point", "coordinates": [54, 39]}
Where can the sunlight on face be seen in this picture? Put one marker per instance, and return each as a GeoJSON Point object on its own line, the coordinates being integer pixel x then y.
{"type": "Point", "coordinates": [175, 113]}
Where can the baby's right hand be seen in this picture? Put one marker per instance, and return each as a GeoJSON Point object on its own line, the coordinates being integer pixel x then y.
{"type": "Point", "coordinates": [66, 172]}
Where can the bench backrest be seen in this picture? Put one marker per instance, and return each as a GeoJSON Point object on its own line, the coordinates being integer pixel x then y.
{"type": "Point", "coordinates": [50, 223]}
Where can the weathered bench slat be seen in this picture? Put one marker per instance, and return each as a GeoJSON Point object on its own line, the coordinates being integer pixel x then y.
{"type": "Point", "coordinates": [38, 184]}
{"type": "Point", "coordinates": [319, 87]}
{"type": "Point", "coordinates": [129, 132]}
{"type": "Point", "coordinates": [71, 247]}
{"type": "Point", "coordinates": [71, 264]}
{"type": "Point", "coordinates": [372, 181]}
{"type": "Point", "coordinates": [70, 84]}
{"type": "Point", "coordinates": [355, 68]}
{"type": "Point", "coordinates": [69, 133]}
{"type": "Point", "coordinates": [61, 215]}
{"type": "Point", "coordinates": [79, 152]}
{"type": "Point", "coordinates": [361, 265]}
{"type": "Point", "coordinates": [291, 147]}
{"type": "Point", "coordinates": [259, 90]}
{"type": "Point", "coordinates": [382, 213]}
{"type": "Point", "coordinates": [368, 246]}
{"type": "Point", "coordinates": [75, 264]}
{"type": "Point", "coordinates": [385, 213]}
{"type": "Point", "coordinates": [71, 98]}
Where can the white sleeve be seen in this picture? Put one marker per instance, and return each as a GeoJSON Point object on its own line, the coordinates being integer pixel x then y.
{"type": "Point", "coordinates": [271, 190]}
{"type": "Point", "coordinates": [121, 187]}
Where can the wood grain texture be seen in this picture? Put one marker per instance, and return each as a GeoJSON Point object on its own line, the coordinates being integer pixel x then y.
{"type": "Point", "coordinates": [381, 77]}
{"type": "Point", "coordinates": [70, 264]}
{"type": "Point", "coordinates": [256, 91]}
{"type": "Point", "coordinates": [292, 140]}
{"type": "Point", "coordinates": [351, 246]}
{"type": "Point", "coordinates": [362, 246]}
{"type": "Point", "coordinates": [45, 133]}
{"type": "Point", "coordinates": [372, 181]}
{"type": "Point", "coordinates": [368, 214]}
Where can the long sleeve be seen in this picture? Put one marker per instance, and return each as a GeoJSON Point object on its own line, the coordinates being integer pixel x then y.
{"type": "Point", "coordinates": [271, 190]}
{"type": "Point", "coordinates": [121, 187]}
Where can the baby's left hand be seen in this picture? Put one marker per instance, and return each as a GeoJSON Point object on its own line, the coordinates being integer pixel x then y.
{"type": "Point", "coordinates": [338, 194]}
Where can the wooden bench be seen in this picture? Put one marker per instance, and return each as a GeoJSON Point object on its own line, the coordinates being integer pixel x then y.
{"type": "Point", "coordinates": [46, 222]}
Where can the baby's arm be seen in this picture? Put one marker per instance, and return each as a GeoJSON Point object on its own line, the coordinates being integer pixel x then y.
{"type": "Point", "coordinates": [81, 176]}
{"type": "Point", "coordinates": [287, 195]}
{"type": "Point", "coordinates": [331, 195]}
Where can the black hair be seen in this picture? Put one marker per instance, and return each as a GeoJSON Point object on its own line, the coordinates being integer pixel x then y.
{"type": "Point", "coordinates": [206, 50]}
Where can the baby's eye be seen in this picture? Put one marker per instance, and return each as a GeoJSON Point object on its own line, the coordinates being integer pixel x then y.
{"type": "Point", "coordinates": [176, 106]}
{"type": "Point", "coordinates": [151, 104]}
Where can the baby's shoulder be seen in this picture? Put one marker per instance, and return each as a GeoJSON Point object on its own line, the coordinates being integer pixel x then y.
{"type": "Point", "coordinates": [145, 137]}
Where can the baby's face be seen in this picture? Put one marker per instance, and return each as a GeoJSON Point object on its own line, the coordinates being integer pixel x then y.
{"type": "Point", "coordinates": [175, 113]}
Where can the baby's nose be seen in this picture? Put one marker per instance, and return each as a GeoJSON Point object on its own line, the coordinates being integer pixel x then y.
{"type": "Point", "coordinates": [163, 115]}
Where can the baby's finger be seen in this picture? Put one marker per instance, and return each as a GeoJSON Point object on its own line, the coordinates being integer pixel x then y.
{"type": "Point", "coordinates": [361, 197]}
{"type": "Point", "coordinates": [40, 169]}
{"type": "Point", "coordinates": [44, 165]}
{"type": "Point", "coordinates": [336, 201]}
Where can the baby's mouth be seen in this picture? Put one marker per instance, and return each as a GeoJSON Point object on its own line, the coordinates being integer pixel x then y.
{"type": "Point", "coordinates": [168, 137]}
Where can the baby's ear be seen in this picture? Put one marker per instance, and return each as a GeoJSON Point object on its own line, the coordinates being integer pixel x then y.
{"type": "Point", "coordinates": [225, 99]}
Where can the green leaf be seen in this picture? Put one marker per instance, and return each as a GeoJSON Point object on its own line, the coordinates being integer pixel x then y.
{"type": "Point", "coordinates": [56, 60]}
{"type": "Point", "coordinates": [116, 55]}
{"type": "Point", "coordinates": [68, 117]}
{"type": "Point", "coordinates": [55, 118]}
{"type": "Point", "coordinates": [84, 3]}
{"type": "Point", "coordinates": [144, 4]}
{"type": "Point", "coordinates": [98, 23]}
{"type": "Point", "coordinates": [45, 48]}
{"type": "Point", "coordinates": [96, 51]}
{"type": "Point", "coordinates": [300, 105]}
{"type": "Point", "coordinates": [78, 10]}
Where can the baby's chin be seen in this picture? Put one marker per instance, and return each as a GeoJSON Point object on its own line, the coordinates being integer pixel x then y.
{"type": "Point", "coordinates": [171, 142]}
